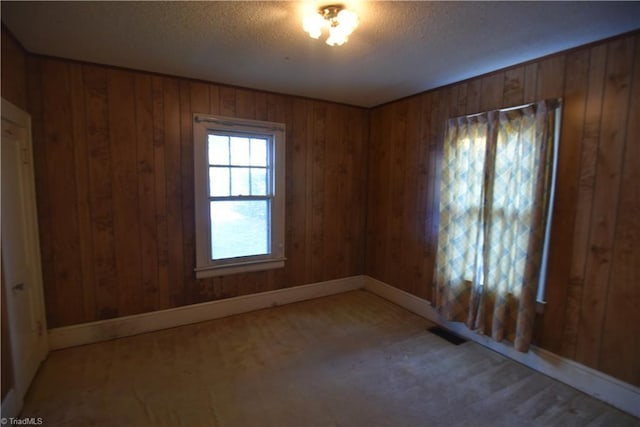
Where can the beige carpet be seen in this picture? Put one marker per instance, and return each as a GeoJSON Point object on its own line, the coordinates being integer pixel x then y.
{"type": "Point", "coordinates": [347, 360]}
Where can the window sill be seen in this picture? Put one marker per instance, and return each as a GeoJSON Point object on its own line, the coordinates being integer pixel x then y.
{"type": "Point", "coordinates": [245, 267]}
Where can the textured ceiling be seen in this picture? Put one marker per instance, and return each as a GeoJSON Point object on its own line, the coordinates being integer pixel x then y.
{"type": "Point", "coordinates": [399, 49]}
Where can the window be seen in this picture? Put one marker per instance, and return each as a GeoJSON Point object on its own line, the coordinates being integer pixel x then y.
{"type": "Point", "coordinates": [239, 195]}
{"type": "Point", "coordinates": [496, 199]}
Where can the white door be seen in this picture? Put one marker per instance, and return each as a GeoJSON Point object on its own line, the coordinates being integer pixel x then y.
{"type": "Point", "coordinates": [21, 269]}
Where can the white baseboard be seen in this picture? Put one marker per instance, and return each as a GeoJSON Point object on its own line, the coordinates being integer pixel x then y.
{"type": "Point", "coordinates": [590, 381]}
{"type": "Point", "coordinates": [86, 333]}
{"type": "Point", "coordinates": [604, 387]}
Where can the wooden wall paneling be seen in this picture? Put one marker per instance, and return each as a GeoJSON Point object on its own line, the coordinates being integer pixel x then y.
{"type": "Point", "coordinates": [584, 201]}
{"type": "Point", "coordinates": [317, 190]}
{"type": "Point", "coordinates": [431, 187]}
{"type": "Point", "coordinates": [424, 200]}
{"type": "Point", "coordinates": [160, 186]}
{"type": "Point", "coordinates": [473, 96]}
{"type": "Point", "coordinates": [458, 100]}
{"type": "Point", "coordinates": [189, 290]}
{"type": "Point", "coordinates": [379, 201]}
{"type": "Point", "coordinates": [530, 83]}
{"type": "Point", "coordinates": [60, 169]}
{"type": "Point", "coordinates": [214, 99]}
{"type": "Point", "coordinates": [297, 249]}
{"type": "Point", "coordinates": [81, 162]}
{"type": "Point", "coordinates": [412, 253]}
{"type": "Point", "coordinates": [560, 249]}
{"type": "Point", "coordinates": [227, 101]}
{"type": "Point", "coordinates": [354, 169]}
{"type": "Point", "coordinates": [101, 195]}
{"type": "Point", "coordinates": [126, 224]}
{"type": "Point", "coordinates": [203, 289]}
{"type": "Point", "coordinates": [200, 99]}
{"type": "Point", "coordinates": [214, 284]}
{"type": "Point", "coordinates": [245, 104]}
{"type": "Point", "coordinates": [513, 87]}
{"type": "Point", "coordinates": [439, 116]}
{"type": "Point", "coordinates": [620, 347]}
{"type": "Point", "coordinates": [331, 217]}
{"type": "Point", "coordinates": [45, 224]}
{"type": "Point", "coordinates": [606, 200]}
{"type": "Point", "coordinates": [360, 166]}
{"type": "Point", "coordinates": [395, 252]}
{"type": "Point", "coordinates": [279, 109]}
{"type": "Point", "coordinates": [550, 73]}
{"type": "Point", "coordinates": [343, 188]}
{"type": "Point", "coordinates": [173, 165]}
{"type": "Point", "coordinates": [260, 106]}
{"type": "Point", "coordinates": [491, 91]}
{"type": "Point", "coordinates": [146, 192]}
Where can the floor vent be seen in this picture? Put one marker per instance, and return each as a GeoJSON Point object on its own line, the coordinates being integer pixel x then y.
{"type": "Point", "coordinates": [447, 335]}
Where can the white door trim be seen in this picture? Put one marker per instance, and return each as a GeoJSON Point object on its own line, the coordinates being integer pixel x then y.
{"type": "Point", "coordinates": [22, 379]}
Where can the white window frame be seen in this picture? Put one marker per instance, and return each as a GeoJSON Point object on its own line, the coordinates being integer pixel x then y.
{"type": "Point", "coordinates": [204, 125]}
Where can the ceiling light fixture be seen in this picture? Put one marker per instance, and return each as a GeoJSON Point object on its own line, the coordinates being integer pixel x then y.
{"type": "Point", "coordinates": [340, 21]}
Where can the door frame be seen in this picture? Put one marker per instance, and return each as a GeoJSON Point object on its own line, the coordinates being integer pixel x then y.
{"type": "Point", "coordinates": [12, 404]}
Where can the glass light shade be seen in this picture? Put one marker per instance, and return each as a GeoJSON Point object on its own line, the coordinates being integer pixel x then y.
{"type": "Point", "coordinates": [337, 36]}
{"type": "Point", "coordinates": [340, 24]}
{"type": "Point", "coordinates": [312, 24]}
{"type": "Point", "coordinates": [347, 20]}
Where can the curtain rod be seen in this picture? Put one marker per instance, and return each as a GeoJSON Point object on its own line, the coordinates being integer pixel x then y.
{"type": "Point", "coordinates": [240, 123]}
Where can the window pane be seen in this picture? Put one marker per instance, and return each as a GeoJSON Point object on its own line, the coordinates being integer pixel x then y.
{"type": "Point", "coordinates": [239, 151]}
{"type": "Point", "coordinates": [258, 181]}
{"type": "Point", "coordinates": [218, 181]}
{"type": "Point", "coordinates": [239, 228]}
{"type": "Point", "coordinates": [258, 152]}
{"type": "Point", "coordinates": [218, 150]}
{"type": "Point", "coordinates": [240, 182]}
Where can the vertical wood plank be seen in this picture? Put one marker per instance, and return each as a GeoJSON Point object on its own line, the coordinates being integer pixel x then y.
{"type": "Point", "coordinates": [173, 173]}
{"type": "Point", "coordinates": [610, 150]}
{"type": "Point", "coordinates": [412, 242]}
{"type": "Point", "coordinates": [513, 87]}
{"type": "Point", "coordinates": [308, 190]}
{"type": "Point", "coordinates": [317, 191]}
{"type": "Point", "coordinates": [146, 170]}
{"type": "Point", "coordinates": [189, 290]}
{"type": "Point", "coordinates": [296, 221]}
{"type": "Point", "coordinates": [491, 91]}
{"type": "Point", "coordinates": [620, 348]}
{"type": "Point", "coordinates": [550, 77]}
{"type": "Point", "coordinates": [425, 196]}
{"type": "Point", "coordinates": [394, 253]}
{"type": "Point", "coordinates": [160, 183]}
{"type": "Point", "coordinates": [58, 133]}
{"type": "Point", "coordinates": [200, 103]}
{"type": "Point", "coordinates": [584, 202]}
{"type": "Point", "coordinates": [81, 160]}
{"type": "Point", "coordinates": [101, 196]}
{"type": "Point", "coordinates": [124, 182]}
{"type": "Point", "coordinates": [45, 224]}
{"type": "Point", "coordinates": [568, 164]}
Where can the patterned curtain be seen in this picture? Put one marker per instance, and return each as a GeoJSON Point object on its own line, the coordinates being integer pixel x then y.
{"type": "Point", "coordinates": [494, 198]}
